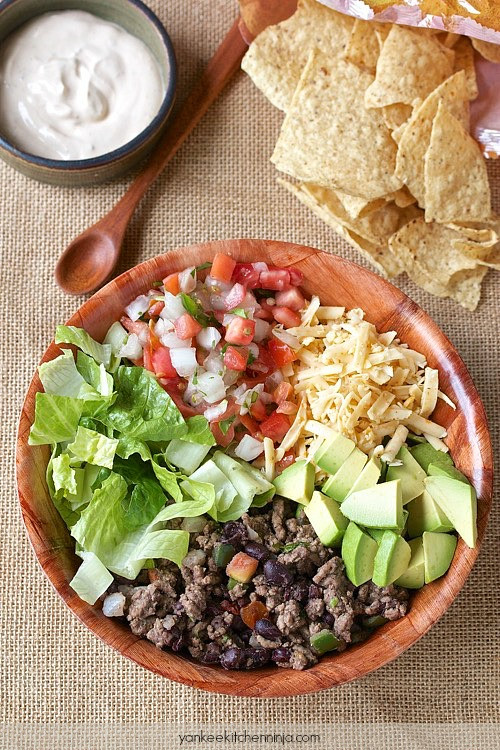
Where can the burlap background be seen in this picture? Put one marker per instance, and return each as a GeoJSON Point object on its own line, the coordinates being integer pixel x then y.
{"type": "Point", "coordinates": [220, 185]}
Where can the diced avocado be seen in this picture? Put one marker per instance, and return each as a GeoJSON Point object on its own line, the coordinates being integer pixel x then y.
{"type": "Point", "coordinates": [377, 534]}
{"type": "Point", "coordinates": [458, 500]}
{"type": "Point", "coordinates": [410, 473]}
{"type": "Point", "coordinates": [222, 554]}
{"type": "Point", "coordinates": [391, 560]}
{"type": "Point", "coordinates": [425, 454]}
{"type": "Point", "coordinates": [413, 439]}
{"type": "Point", "coordinates": [326, 519]}
{"type": "Point", "coordinates": [438, 554]}
{"type": "Point", "coordinates": [379, 507]}
{"type": "Point", "coordinates": [358, 554]}
{"type": "Point", "coordinates": [340, 484]}
{"type": "Point", "coordinates": [242, 567]}
{"type": "Point", "coordinates": [426, 515]}
{"type": "Point", "coordinates": [414, 578]}
{"type": "Point", "coordinates": [296, 482]}
{"type": "Point", "coordinates": [373, 621]}
{"type": "Point", "coordinates": [186, 456]}
{"type": "Point", "coordinates": [332, 454]}
{"type": "Point", "coordinates": [324, 641]}
{"type": "Point", "coordinates": [446, 470]}
{"type": "Point", "coordinates": [369, 476]}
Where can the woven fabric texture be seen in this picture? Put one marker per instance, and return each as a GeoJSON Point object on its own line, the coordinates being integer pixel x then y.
{"type": "Point", "coordinates": [220, 185]}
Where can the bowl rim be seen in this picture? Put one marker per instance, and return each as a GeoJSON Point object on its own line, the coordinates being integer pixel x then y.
{"type": "Point", "coordinates": [389, 641]}
{"type": "Point", "coordinates": [68, 165]}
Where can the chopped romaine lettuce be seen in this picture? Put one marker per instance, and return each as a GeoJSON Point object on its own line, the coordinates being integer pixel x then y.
{"type": "Point", "coordinates": [61, 377]}
{"type": "Point", "coordinates": [84, 341]}
{"type": "Point", "coordinates": [56, 419]}
{"type": "Point", "coordinates": [64, 475]}
{"type": "Point", "coordinates": [199, 431]}
{"type": "Point", "coordinates": [91, 579]}
{"type": "Point", "coordinates": [168, 543]}
{"type": "Point", "coordinates": [93, 447]}
{"type": "Point", "coordinates": [168, 479]}
{"type": "Point", "coordinates": [127, 446]}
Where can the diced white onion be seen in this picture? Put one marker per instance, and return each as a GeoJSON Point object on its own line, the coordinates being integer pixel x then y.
{"type": "Point", "coordinates": [273, 381]}
{"type": "Point", "coordinates": [250, 303]}
{"type": "Point", "coordinates": [260, 266]}
{"type": "Point", "coordinates": [172, 341]}
{"type": "Point", "coordinates": [187, 280]}
{"type": "Point", "coordinates": [216, 285]}
{"type": "Point", "coordinates": [208, 338]}
{"type": "Point", "coordinates": [286, 338]}
{"type": "Point", "coordinates": [218, 301]}
{"type": "Point", "coordinates": [230, 377]}
{"type": "Point", "coordinates": [163, 326]}
{"type": "Point", "coordinates": [213, 363]}
{"type": "Point", "coordinates": [227, 319]}
{"type": "Point", "coordinates": [249, 397]}
{"type": "Point", "coordinates": [213, 412]}
{"type": "Point", "coordinates": [262, 330]}
{"type": "Point", "coordinates": [249, 448]}
{"type": "Point", "coordinates": [211, 386]}
{"type": "Point", "coordinates": [254, 350]}
{"type": "Point", "coordinates": [132, 348]}
{"type": "Point", "coordinates": [266, 398]}
{"type": "Point", "coordinates": [184, 361]}
{"type": "Point", "coordinates": [113, 605]}
{"type": "Point", "coordinates": [137, 307]}
{"type": "Point", "coordinates": [173, 307]}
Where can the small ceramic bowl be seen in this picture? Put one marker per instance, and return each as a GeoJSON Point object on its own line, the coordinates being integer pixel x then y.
{"type": "Point", "coordinates": [337, 282]}
{"type": "Point", "coordinates": [138, 20]}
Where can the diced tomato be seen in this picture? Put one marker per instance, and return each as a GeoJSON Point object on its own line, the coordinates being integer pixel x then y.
{"type": "Point", "coordinates": [171, 283]}
{"type": "Point", "coordinates": [281, 353]}
{"type": "Point", "coordinates": [291, 298]}
{"type": "Point", "coordinates": [264, 314]}
{"type": "Point", "coordinates": [235, 296]}
{"type": "Point", "coordinates": [162, 363]}
{"type": "Point", "coordinates": [240, 331]}
{"type": "Point", "coordinates": [282, 392]}
{"type": "Point", "coordinates": [155, 308]}
{"type": "Point", "coordinates": [245, 273]}
{"type": "Point", "coordinates": [258, 410]}
{"type": "Point", "coordinates": [226, 436]}
{"type": "Point", "coordinates": [249, 423]}
{"type": "Point", "coordinates": [148, 357]}
{"type": "Point", "coordinates": [253, 612]}
{"type": "Point", "coordinates": [277, 279]}
{"type": "Point", "coordinates": [289, 318]}
{"type": "Point", "coordinates": [186, 326]}
{"type": "Point", "coordinates": [275, 427]}
{"type": "Point", "coordinates": [287, 460]}
{"type": "Point", "coordinates": [222, 267]}
{"type": "Point", "coordinates": [296, 276]}
{"type": "Point", "coordinates": [236, 359]}
{"type": "Point", "coordinates": [287, 407]}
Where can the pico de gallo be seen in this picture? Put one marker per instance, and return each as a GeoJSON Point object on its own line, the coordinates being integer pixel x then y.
{"type": "Point", "coordinates": [215, 338]}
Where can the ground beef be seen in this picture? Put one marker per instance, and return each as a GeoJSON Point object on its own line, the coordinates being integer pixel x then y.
{"type": "Point", "coordinates": [191, 609]}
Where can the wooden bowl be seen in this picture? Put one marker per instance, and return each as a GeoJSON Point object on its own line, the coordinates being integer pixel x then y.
{"type": "Point", "coordinates": [338, 282]}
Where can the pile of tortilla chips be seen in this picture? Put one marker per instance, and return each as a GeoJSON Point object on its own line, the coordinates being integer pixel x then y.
{"type": "Point", "coordinates": [376, 135]}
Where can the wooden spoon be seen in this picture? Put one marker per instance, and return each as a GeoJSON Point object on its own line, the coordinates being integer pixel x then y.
{"type": "Point", "coordinates": [91, 258]}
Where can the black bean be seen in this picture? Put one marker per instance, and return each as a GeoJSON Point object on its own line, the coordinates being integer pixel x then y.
{"type": "Point", "coordinates": [298, 591]}
{"type": "Point", "coordinates": [275, 572]}
{"type": "Point", "coordinates": [257, 657]}
{"type": "Point", "coordinates": [266, 629]}
{"type": "Point", "coordinates": [315, 592]}
{"type": "Point", "coordinates": [238, 624]}
{"type": "Point", "coordinates": [329, 618]}
{"type": "Point", "coordinates": [178, 642]}
{"type": "Point", "coordinates": [212, 654]}
{"type": "Point", "coordinates": [233, 658]}
{"type": "Point", "coordinates": [245, 636]}
{"type": "Point", "coordinates": [258, 551]}
{"type": "Point", "coordinates": [281, 655]}
{"type": "Point", "coordinates": [235, 533]}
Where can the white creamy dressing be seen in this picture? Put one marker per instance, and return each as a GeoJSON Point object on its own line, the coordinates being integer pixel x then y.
{"type": "Point", "coordinates": [73, 86]}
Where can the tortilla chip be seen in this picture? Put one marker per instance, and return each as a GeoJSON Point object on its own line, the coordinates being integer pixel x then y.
{"type": "Point", "coordinates": [410, 65]}
{"type": "Point", "coordinates": [276, 58]}
{"type": "Point", "coordinates": [369, 234]}
{"type": "Point", "coordinates": [356, 206]}
{"type": "Point", "coordinates": [455, 177]}
{"type": "Point", "coordinates": [488, 50]}
{"type": "Point", "coordinates": [429, 259]}
{"type": "Point", "coordinates": [464, 60]}
{"type": "Point", "coordinates": [403, 197]}
{"type": "Point", "coordinates": [330, 139]}
{"type": "Point", "coordinates": [363, 47]}
{"type": "Point", "coordinates": [478, 233]}
{"type": "Point", "coordinates": [416, 136]}
{"type": "Point", "coordinates": [396, 115]}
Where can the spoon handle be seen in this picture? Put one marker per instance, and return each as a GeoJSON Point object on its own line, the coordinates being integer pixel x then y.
{"type": "Point", "coordinates": [222, 66]}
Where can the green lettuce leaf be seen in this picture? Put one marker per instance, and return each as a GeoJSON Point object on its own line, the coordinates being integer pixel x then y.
{"type": "Point", "coordinates": [127, 446]}
{"type": "Point", "coordinates": [199, 431]}
{"type": "Point", "coordinates": [64, 475]}
{"type": "Point", "coordinates": [56, 419]}
{"type": "Point", "coordinates": [61, 377]}
{"type": "Point", "coordinates": [169, 544]}
{"type": "Point", "coordinates": [142, 409]}
{"type": "Point", "coordinates": [224, 491]}
{"type": "Point", "coordinates": [92, 578]}
{"type": "Point", "coordinates": [145, 497]}
{"type": "Point", "coordinates": [93, 447]}
{"type": "Point", "coordinates": [80, 338]}
{"type": "Point", "coordinates": [101, 526]}
{"type": "Point", "coordinates": [95, 375]}
{"type": "Point", "coordinates": [116, 338]}
{"type": "Point", "coordinates": [168, 479]}
{"type": "Point", "coordinates": [203, 492]}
